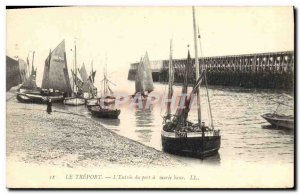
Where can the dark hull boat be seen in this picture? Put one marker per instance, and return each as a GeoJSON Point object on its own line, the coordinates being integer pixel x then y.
{"type": "Point", "coordinates": [38, 97]}
{"type": "Point", "coordinates": [31, 98]}
{"type": "Point", "coordinates": [279, 121]}
{"type": "Point", "coordinates": [191, 143]}
{"type": "Point", "coordinates": [179, 136]}
{"type": "Point", "coordinates": [98, 111]}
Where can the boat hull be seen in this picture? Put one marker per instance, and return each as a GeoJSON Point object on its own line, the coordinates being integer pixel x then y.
{"type": "Point", "coordinates": [37, 98]}
{"type": "Point", "coordinates": [74, 101]}
{"type": "Point", "coordinates": [104, 113]}
{"type": "Point", "coordinates": [26, 98]}
{"type": "Point", "coordinates": [279, 121]}
{"type": "Point", "coordinates": [191, 144]}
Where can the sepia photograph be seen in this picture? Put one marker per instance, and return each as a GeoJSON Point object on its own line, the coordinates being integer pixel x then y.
{"type": "Point", "coordinates": [150, 97]}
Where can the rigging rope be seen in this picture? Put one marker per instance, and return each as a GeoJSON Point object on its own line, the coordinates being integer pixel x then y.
{"type": "Point", "coordinates": [210, 114]}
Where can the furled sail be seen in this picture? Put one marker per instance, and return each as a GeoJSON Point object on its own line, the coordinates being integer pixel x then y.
{"type": "Point", "coordinates": [182, 112]}
{"type": "Point", "coordinates": [30, 83]}
{"type": "Point", "coordinates": [56, 74]}
{"type": "Point", "coordinates": [79, 84]}
{"type": "Point", "coordinates": [91, 79]}
{"type": "Point", "coordinates": [144, 81]}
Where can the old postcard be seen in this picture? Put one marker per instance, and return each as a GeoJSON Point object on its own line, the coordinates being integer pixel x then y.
{"type": "Point", "coordinates": [150, 97]}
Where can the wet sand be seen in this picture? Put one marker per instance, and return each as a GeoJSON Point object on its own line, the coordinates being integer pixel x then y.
{"type": "Point", "coordinates": [70, 140]}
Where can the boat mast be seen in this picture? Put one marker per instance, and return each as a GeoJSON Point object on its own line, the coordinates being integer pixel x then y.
{"type": "Point", "coordinates": [75, 67]}
{"type": "Point", "coordinates": [170, 92]}
{"type": "Point", "coordinates": [92, 85]}
{"type": "Point", "coordinates": [197, 66]}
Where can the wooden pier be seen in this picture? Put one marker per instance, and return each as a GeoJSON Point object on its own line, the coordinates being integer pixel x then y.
{"type": "Point", "coordinates": [260, 70]}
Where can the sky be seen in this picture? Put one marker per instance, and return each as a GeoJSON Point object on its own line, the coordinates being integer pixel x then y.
{"type": "Point", "coordinates": [118, 36]}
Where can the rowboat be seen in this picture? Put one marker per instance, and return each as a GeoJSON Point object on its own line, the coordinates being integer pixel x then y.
{"type": "Point", "coordinates": [279, 121]}
{"type": "Point", "coordinates": [100, 112]}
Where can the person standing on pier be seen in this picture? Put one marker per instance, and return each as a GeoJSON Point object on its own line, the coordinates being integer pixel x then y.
{"type": "Point", "coordinates": [49, 106]}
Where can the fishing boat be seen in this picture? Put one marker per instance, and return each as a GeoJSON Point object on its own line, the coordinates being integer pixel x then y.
{"type": "Point", "coordinates": [180, 136]}
{"type": "Point", "coordinates": [31, 97]}
{"type": "Point", "coordinates": [103, 106]}
{"type": "Point", "coordinates": [89, 91]}
{"type": "Point", "coordinates": [107, 95]}
{"type": "Point", "coordinates": [278, 120]}
{"type": "Point", "coordinates": [75, 99]}
{"type": "Point", "coordinates": [56, 76]}
{"type": "Point", "coordinates": [30, 93]}
{"type": "Point", "coordinates": [143, 79]}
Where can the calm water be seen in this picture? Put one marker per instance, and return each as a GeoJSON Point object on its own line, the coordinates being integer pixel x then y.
{"type": "Point", "coordinates": [245, 136]}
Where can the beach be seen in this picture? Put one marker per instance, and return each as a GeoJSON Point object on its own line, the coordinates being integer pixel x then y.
{"type": "Point", "coordinates": [70, 140]}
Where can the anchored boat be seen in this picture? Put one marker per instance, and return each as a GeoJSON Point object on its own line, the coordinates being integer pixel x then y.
{"type": "Point", "coordinates": [102, 107]}
{"type": "Point", "coordinates": [56, 76]}
{"type": "Point", "coordinates": [180, 136]}
{"type": "Point", "coordinates": [280, 120]}
{"type": "Point", "coordinates": [55, 84]}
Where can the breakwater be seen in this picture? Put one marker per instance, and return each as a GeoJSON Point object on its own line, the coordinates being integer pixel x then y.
{"type": "Point", "coordinates": [259, 70]}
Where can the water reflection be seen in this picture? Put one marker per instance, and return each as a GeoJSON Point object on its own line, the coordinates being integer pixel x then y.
{"type": "Point", "coordinates": [283, 131]}
{"type": "Point", "coordinates": [144, 123]}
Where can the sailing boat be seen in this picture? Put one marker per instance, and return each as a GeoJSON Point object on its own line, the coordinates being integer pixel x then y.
{"type": "Point", "coordinates": [56, 83]}
{"type": "Point", "coordinates": [106, 99]}
{"type": "Point", "coordinates": [87, 85]}
{"type": "Point", "coordinates": [143, 79]}
{"type": "Point", "coordinates": [180, 136]}
{"type": "Point", "coordinates": [107, 93]}
{"type": "Point", "coordinates": [75, 100]}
